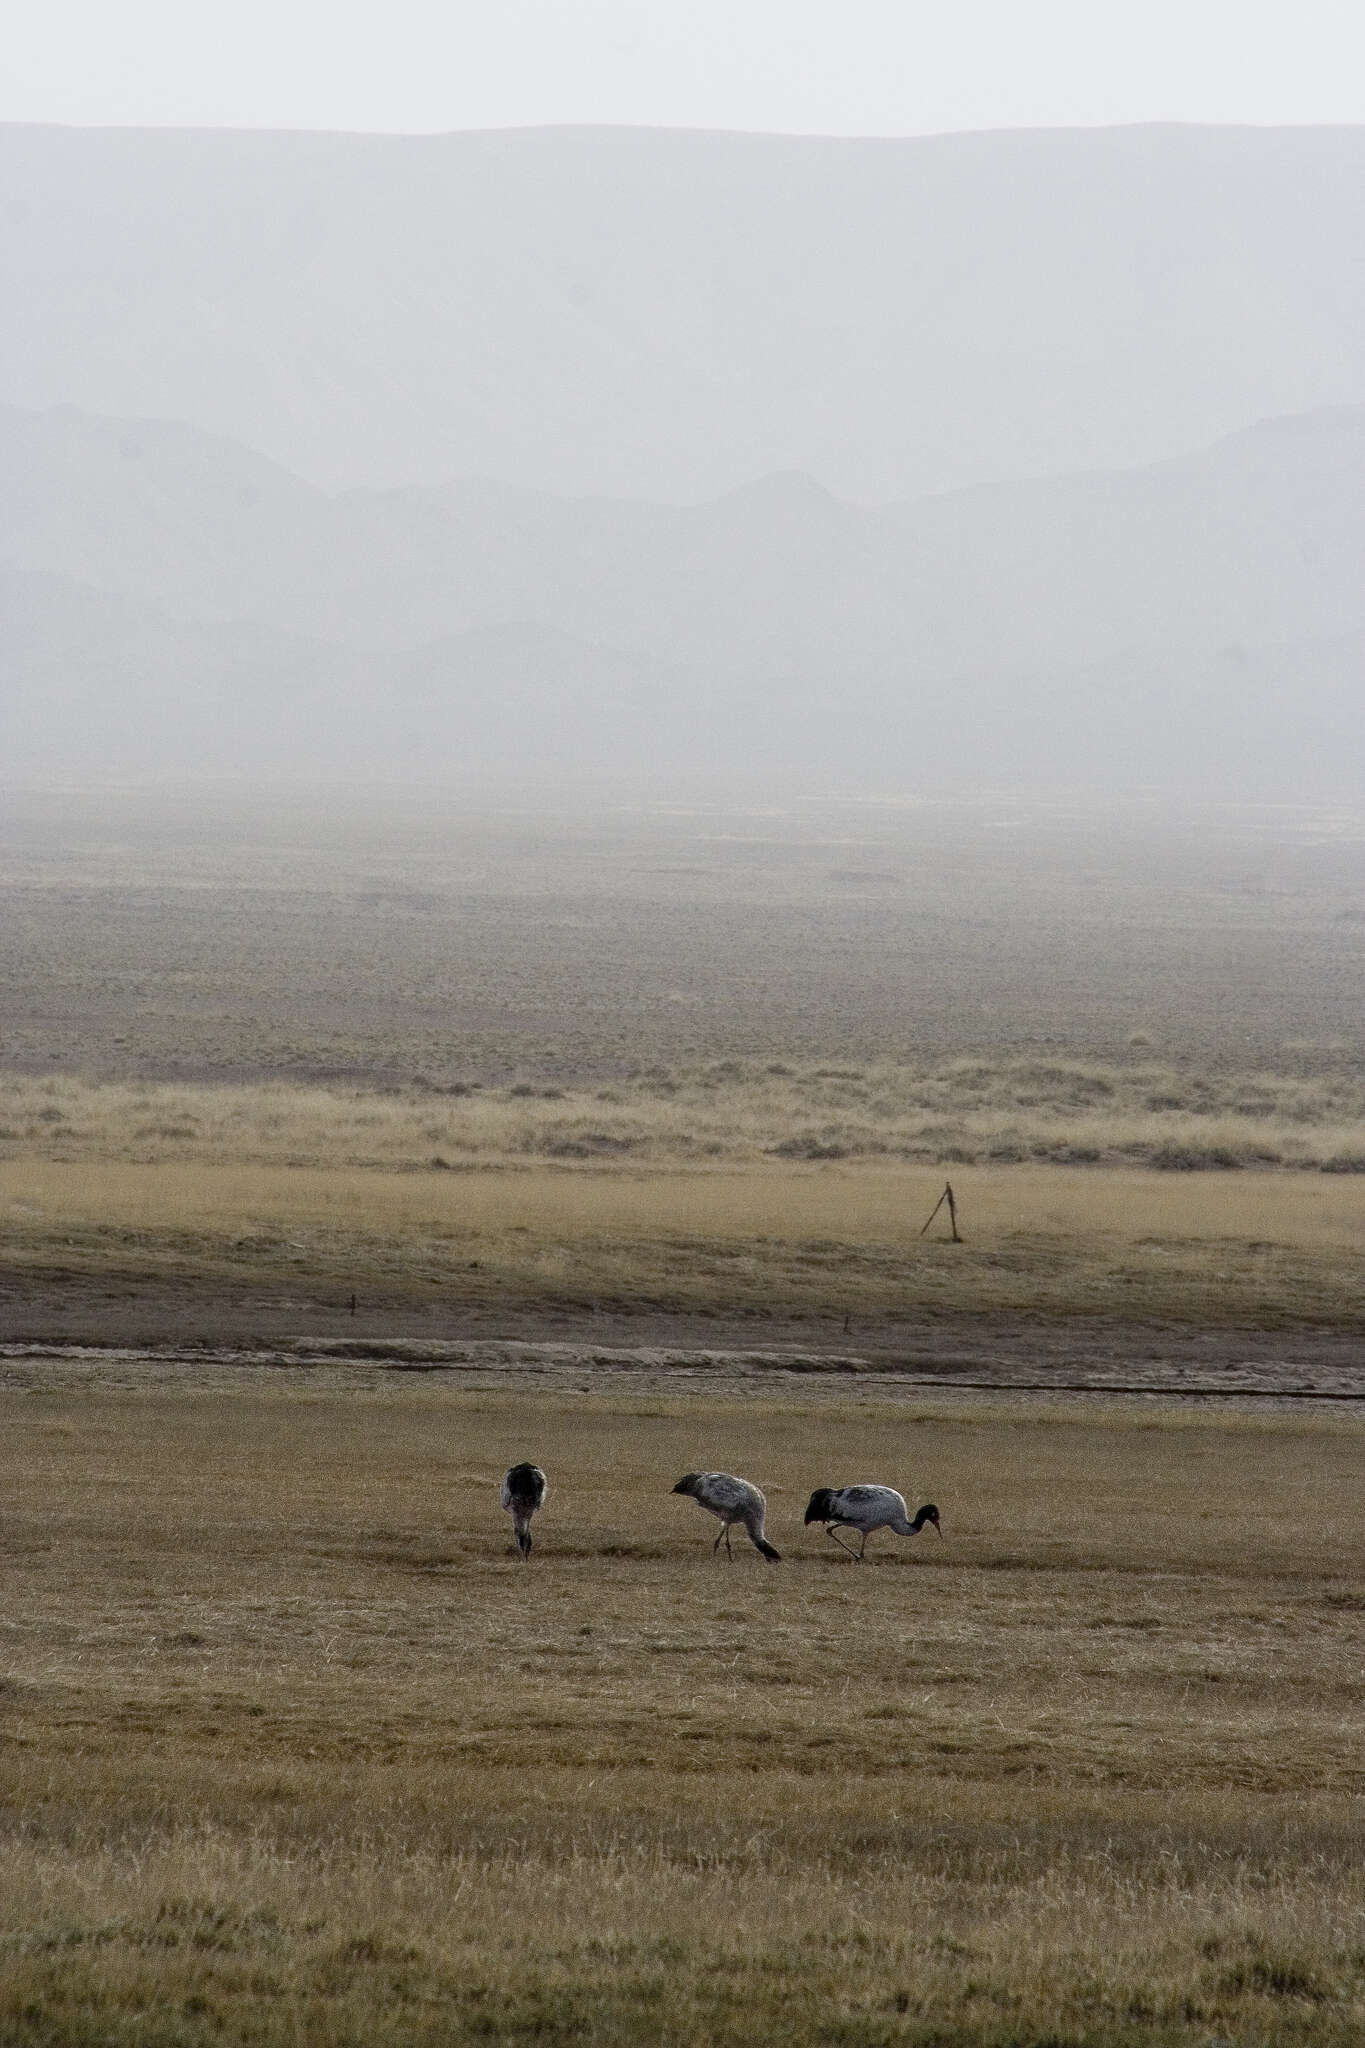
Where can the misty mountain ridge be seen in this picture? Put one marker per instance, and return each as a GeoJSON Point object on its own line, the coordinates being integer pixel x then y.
{"type": "Point", "coordinates": [176, 602]}
{"type": "Point", "coordinates": [665, 315]}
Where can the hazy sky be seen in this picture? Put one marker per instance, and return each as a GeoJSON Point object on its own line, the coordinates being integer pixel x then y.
{"type": "Point", "coordinates": [851, 67]}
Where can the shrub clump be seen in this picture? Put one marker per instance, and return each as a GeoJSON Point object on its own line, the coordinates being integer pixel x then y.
{"type": "Point", "coordinates": [590, 1145]}
{"type": "Point", "coordinates": [1177, 1158]}
{"type": "Point", "coordinates": [807, 1146]}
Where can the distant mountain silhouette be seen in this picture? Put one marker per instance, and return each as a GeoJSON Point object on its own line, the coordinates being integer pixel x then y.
{"type": "Point", "coordinates": [669, 315]}
{"type": "Point", "coordinates": [172, 602]}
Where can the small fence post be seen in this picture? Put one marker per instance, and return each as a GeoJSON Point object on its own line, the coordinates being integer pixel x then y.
{"type": "Point", "coordinates": [951, 1200]}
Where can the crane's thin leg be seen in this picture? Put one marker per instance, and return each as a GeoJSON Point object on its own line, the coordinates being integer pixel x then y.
{"type": "Point", "coordinates": [834, 1537]}
{"type": "Point", "coordinates": [728, 1552]}
{"type": "Point", "coordinates": [862, 1547]}
{"type": "Point", "coordinates": [716, 1545]}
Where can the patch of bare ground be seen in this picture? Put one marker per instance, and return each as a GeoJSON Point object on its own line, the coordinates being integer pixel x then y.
{"type": "Point", "coordinates": [381, 939]}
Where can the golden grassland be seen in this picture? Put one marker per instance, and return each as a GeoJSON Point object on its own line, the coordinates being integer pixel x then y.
{"type": "Point", "coordinates": [682, 1058]}
{"type": "Point", "coordinates": [1002, 1111]}
{"type": "Point", "coordinates": [295, 1749]}
{"type": "Point", "coordinates": [1267, 1250]}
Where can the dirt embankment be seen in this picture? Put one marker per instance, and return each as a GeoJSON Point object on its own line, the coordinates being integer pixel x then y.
{"type": "Point", "coordinates": [83, 1317]}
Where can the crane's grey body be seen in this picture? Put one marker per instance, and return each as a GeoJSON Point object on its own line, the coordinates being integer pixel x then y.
{"type": "Point", "coordinates": [524, 1488]}
{"type": "Point", "coordinates": [866, 1508]}
{"type": "Point", "coordinates": [734, 1501]}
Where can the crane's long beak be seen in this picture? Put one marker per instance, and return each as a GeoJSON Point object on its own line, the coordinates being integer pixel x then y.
{"type": "Point", "coordinates": [939, 1527]}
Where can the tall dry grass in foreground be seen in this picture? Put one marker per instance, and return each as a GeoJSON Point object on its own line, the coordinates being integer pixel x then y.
{"type": "Point", "coordinates": [295, 1750]}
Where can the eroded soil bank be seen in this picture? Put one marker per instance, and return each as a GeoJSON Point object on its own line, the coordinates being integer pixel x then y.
{"type": "Point", "coordinates": [163, 1333]}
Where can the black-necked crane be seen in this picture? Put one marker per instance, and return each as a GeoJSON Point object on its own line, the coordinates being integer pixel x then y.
{"type": "Point", "coordinates": [866, 1508]}
{"type": "Point", "coordinates": [734, 1501]}
{"type": "Point", "coordinates": [524, 1488]}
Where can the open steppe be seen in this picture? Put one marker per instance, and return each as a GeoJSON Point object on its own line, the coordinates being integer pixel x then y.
{"type": "Point", "coordinates": [403, 939]}
{"type": "Point", "coordinates": [351, 1148]}
{"type": "Point", "coordinates": [632, 1064]}
{"type": "Point", "coordinates": [297, 1750]}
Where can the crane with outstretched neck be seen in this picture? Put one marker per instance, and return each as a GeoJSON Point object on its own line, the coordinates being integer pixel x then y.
{"type": "Point", "coordinates": [866, 1508]}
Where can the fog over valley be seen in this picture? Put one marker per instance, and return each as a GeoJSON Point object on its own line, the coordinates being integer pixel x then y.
{"type": "Point", "coordinates": [176, 604]}
{"type": "Point", "coordinates": [1033, 457]}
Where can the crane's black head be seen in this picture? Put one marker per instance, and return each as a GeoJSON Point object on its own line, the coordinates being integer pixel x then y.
{"type": "Point", "coordinates": [818, 1506]}
{"type": "Point", "coordinates": [688, 1483]}
{"type": "Point", "coordinates": [927, 1514]}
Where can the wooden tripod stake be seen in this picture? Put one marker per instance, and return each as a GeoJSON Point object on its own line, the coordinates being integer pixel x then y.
{"type": "Point", "coordinates": [946, 1196]}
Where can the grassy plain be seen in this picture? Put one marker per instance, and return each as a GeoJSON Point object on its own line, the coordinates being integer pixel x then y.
{"type": "Point", "coordinates": [295, 1750]}
{"type": "Point", "coordinates": [1004, 1111]}
{"type": "Point", "coordinates": [361, 1040]}
{"type": "Point", "coordinates": [776, 1242]}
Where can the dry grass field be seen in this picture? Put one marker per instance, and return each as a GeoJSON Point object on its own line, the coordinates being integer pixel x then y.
{"type": "Point", "coordinates": [296, 1750]}
{"type": "Point", "coordinates": [352, 1147]}
{"type": "Point", "coordinates": [1000, 1111]}
{"type": "Point", "coordinates": [698, 1060]}
{"type": "Point", "coordinates": [761, 1244]}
